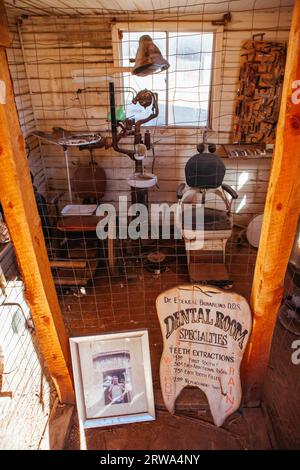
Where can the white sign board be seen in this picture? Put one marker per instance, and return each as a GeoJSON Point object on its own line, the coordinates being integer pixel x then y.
{"type": "Point", "coordinates": [205, 332]}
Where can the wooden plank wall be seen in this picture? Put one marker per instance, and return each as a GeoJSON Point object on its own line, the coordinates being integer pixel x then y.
{"type": "Point", "coordinates": [24, 104]}
{"type": "Point", "coordinates": [56, 47]}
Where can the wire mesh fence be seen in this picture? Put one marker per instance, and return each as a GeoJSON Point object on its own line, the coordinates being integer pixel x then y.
{"type": "Point", "coordinates": [69, 62]}
{"type": "Point", "coordinates": [26, 393]}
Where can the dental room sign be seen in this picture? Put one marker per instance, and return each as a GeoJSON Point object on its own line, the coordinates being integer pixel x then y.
{"type": "Point", "coordinates": [205, 333]}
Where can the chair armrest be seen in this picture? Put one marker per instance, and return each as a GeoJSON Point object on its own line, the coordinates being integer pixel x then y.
{"type": "Point", "coordinates": [180, 190]}
{"type": "Point", "coordinates": [230, 191]}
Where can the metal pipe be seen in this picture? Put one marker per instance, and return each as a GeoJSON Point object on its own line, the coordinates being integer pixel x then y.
{"type": "Point", "coordinates": [68, 174]}
{"type": "Point", "coordinates": [114, 126]}
{"type": "Point", "coordinates": [113, 118]}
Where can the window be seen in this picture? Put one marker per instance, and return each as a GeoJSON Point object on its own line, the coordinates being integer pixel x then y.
{"type": "Point", "coordinates": [185, 89]}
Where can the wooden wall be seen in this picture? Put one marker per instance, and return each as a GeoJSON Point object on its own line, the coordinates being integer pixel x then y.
{"type": "Point", "coordinates": [24, 104]}
{"type": "Point", "coordinates": [57, 47]}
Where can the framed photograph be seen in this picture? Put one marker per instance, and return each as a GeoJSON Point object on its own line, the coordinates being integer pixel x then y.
{"type": "Point", "coordinates": [113, 380]}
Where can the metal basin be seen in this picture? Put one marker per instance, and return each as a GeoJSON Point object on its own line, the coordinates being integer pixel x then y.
{"type": "Point", "coordinates": [142, 180]}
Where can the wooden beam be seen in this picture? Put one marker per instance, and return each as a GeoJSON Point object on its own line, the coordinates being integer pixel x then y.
{"type": "Point", "coordinates": [18, 201]}
{"type": "Point", "coordinates": [279, 223]}
{"type": "Point", "coordinates": [5, 39]}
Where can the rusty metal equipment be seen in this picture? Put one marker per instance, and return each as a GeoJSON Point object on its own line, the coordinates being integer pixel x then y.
{"type": "Point", "coordinates": [130, 127]}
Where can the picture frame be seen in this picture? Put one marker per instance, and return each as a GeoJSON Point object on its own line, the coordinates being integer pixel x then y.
{"type": "Point", "coordinates": [113, 378]}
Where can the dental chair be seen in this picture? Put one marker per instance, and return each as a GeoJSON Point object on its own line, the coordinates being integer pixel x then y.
{"type": "Point", "coordinates": [208, 201]}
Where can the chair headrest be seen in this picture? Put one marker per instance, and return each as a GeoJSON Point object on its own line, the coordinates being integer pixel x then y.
{"type": "Point", "coordinates": [205, 170]}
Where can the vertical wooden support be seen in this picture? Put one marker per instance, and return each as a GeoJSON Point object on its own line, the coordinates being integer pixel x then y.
{"type": "Point", "coordinates": [279, 224]}
{"type": "Point", "coordinates": [4, 30]}
{"type": "Point", "coordinates": [18, 201]}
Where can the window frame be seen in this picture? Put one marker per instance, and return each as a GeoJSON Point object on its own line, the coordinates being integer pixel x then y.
{"type": "Point", "coordinates": [182, 27]}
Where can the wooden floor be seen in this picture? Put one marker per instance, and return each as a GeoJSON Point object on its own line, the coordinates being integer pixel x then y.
{"type": "Point", "coordinates": [128, 302]}
{"type": "Point", "coordinates": [282, 391]}
{"type": "Point", "coordinates": [177, 432]}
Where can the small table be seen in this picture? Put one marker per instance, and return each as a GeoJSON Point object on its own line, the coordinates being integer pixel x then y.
{"type": "Point", "coordinates": [87, 223]}
{"type": "Point", "coordinates": [78, 223]}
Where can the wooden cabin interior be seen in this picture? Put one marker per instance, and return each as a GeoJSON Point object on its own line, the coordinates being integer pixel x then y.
{"type": "Point", "coordinates": [111, 110]}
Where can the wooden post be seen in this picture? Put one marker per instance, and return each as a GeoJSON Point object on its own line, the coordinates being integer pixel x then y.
{"type": "Point", "coordinates": [18, 201]}
{"type": "Point", "coordinates": [279, 223]}
{"type": "Point", "coordinates": [5, 39]}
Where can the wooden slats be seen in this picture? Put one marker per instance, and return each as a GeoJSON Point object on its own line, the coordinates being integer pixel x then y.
{"type": "Point", "coordinates": [158, 9]}
{"type": "Point", "coordinates": [71, 264]}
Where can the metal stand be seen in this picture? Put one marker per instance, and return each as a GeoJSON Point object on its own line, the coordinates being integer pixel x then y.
{"type": "Point", "coordinates": [68, 174]}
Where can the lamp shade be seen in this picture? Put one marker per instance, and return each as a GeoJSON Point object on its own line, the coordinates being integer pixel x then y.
{"type": "Point", "coordinates": [148, 58]}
